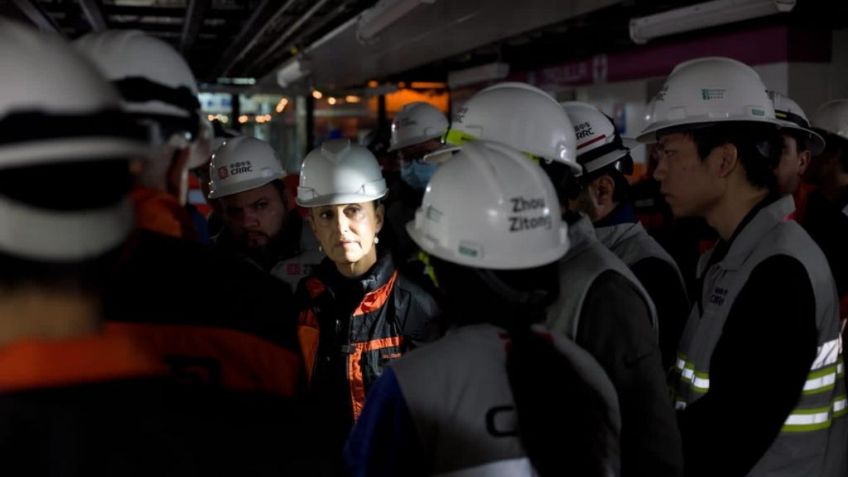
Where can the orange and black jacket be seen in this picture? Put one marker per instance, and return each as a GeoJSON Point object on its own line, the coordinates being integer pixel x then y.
{"type": "Point", "coordinates": [86, 406]}
{"type": "Point", "coordinates": [106, 405]}
{"type": "Point", "coordinates": [350, 329]}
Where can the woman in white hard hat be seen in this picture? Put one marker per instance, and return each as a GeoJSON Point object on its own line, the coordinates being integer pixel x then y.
{"type": "Point", "coordinates": [357, 312]}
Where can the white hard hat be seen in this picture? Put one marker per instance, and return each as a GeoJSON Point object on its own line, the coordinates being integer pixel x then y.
{"type": "Point", "coordinates": [708, 90]}
{"type": "Point", "coordinates": [55, 108]}
{"type": "Point", "coordinates": [832, 117]}
{"type": "Point", "coordinates": [790, 116]}
{"type": "Point", "coordinates": [521, 116]}
{"type": "Point", "coordinates": [203, 148]}
{"type": "Point", "coordinates": [155, 82]}
{"type": "Point", "coordinates": [489, 207]}
{"type": "Point", "coordinates": [598, 142]}
{"type": "Point", "coordinates": [415, 123]}
{"type": "Point", "coordinates": [340, 172]}
{"type": "Point", "coordinates": [242, 163]}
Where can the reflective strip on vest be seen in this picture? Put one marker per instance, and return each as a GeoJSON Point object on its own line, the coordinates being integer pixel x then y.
{"type": "Point", "coordinates": [826, 368]}
{"type": "Point", "coordinates": [698, 381]}
{"type": "Point", "coordinates": [806, 420]}
{"type": "Point", "coordinates": [514, 467]}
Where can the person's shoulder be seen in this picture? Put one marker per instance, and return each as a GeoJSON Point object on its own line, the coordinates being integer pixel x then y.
{"type": "Point", "coordinates": [417, 293]}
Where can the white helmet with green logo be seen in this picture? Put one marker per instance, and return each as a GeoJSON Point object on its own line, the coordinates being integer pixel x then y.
{"type": "Point", "coordinates": [708, 90]}
{"type": "Point", "coordinates": [521, 116]}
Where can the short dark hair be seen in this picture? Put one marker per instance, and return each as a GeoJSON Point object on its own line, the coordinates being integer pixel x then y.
{"type": "Point", "coordinates": [566, 184]}
{"type": "Point", "coordinates": [759, 146]}
{"type": "Point", "coordinates": [63, 187]}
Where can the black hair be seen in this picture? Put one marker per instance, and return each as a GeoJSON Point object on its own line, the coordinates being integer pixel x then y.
{"type": "Point", "coordinates": [62, 187]}
{"type": "Point", "coordinates": [476, 295]}
{"type": "Point", "coordinates": [566, 184]}
{"type": "Point", "coordinates": [759, 147]}
{"type": "Point", "coordinates": [551, 397]}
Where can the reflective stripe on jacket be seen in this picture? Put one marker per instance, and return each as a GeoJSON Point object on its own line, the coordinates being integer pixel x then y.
{"type": "Point", "coordinates": [392, 315]}
{"type": "Point", "coordinates": [813, 438]}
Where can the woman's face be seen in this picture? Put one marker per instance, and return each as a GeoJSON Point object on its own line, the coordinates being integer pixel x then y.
{"type": "Point", "coordinates": [347, 232]}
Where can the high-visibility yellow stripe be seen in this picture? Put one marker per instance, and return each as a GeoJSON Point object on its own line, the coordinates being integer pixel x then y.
{"type": "Point", "coordinates": [827, 353]}
{"type": "Point", "coordinates": [455, 137]}
{"type": "Point", "coordinates": [815, 419]}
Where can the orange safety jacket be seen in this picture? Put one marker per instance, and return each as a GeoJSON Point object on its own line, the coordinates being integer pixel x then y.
{"type": "Point", "coordinates": [161, 212]}
{"type": "Point", "coordinates": [357, 326]}
{"type": "Point", "coordinates": [40, 364]}
{"type": "Point", "coordinates": [223, 358]}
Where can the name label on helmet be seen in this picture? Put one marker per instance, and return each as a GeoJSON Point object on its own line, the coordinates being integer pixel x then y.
{"type": "Point", "coordinates": [522, 205]}
{"type": "Point", "coordinates": [712, 93]}
{"type": "Point", "coordinates": [240, 168]}
{"type": "Point", "coordinates": [583, 130]}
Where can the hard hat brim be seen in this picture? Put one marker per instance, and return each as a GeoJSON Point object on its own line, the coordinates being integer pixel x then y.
{"type": "Point", "coordinates": [605, 160]}
{"type": "Point", "coordinates": [817, 142]}
{"type": "Point", "coordinates": [649, 134]}
{"type": "Point", "coordinates": [412, 142]}
{"type": "Point", "coordinates": [499, 262]}
{"type": "Point", "coordinates": [237, 188]}
{"type": "Point", "coordinates": [339, 199]}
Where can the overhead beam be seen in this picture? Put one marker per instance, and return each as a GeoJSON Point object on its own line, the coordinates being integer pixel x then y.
{"type": "Point", "coordinates": [94, 14]}
{"type": "Point", "coordinates": [37, 15]}
{"type": "Point", "coordinates": [254, 28]}
{"type": "Point", "coordinates": [342, 10]}
{"type": "Point", "coordinates": [162, 11]}
{"type": "Point", "coordinates": [288, 33]}
{"type": "Point", "coordinates": [195, 13]}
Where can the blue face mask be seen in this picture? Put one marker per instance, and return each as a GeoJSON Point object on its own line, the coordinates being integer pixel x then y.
{"type": "Point", "coordinates": [417, 173]}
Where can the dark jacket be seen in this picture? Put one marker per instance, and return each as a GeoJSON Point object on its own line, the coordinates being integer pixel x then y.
{"type": "Point", "coordinates": [164, 280]}
{"type": "Point", "coordinates": [350, 329]}
{"type": "Point", "coordinates": [827, 223]}
{"type": "Point", "coordinates": [103, 405]}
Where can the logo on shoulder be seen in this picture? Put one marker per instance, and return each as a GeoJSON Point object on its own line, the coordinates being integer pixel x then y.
{"type": "Point", "coordinates": [718, 296]}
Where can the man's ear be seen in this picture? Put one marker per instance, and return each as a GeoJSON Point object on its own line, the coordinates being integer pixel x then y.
{"type": "Point", "coordinates": [728, 159]}
{"type": "Point", "coordinates": [804, 159]}
{"type": "Point", "coordinates": [604, 189]}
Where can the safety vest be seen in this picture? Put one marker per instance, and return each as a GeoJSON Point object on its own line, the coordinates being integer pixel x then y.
{"type": "Point", "coordinates": [631, 243]}
{"type": "Point", "coordinates": [813, 439]}
{"type": "Point", "coordinates": [460, 383]}
{"type": "Point", "coordinates": [585, 261]}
